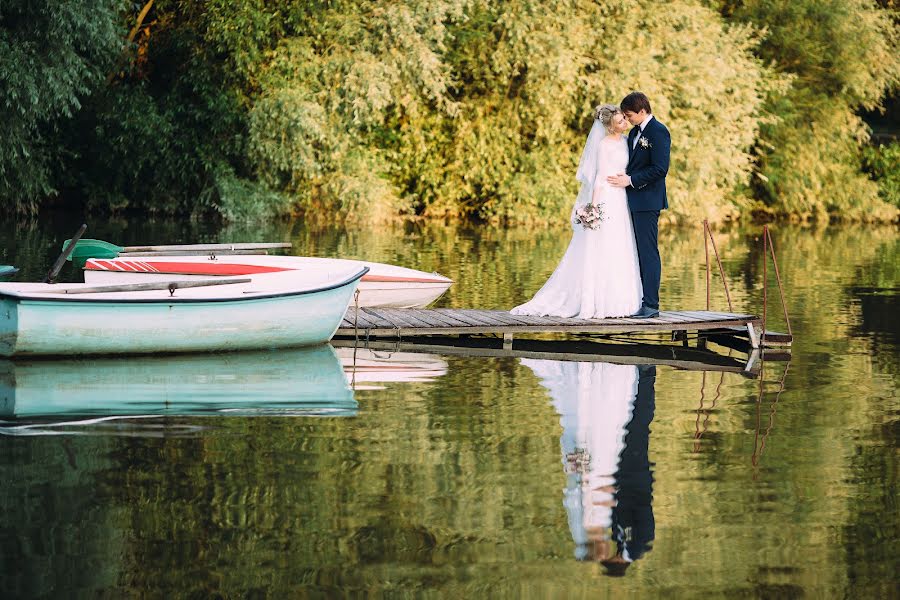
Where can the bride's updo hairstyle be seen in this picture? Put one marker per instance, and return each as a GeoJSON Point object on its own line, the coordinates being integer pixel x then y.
{"type": "Point", "coordinates": [605, 113]}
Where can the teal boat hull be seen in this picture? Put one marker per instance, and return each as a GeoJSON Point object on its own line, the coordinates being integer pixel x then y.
{"type": "Point", "coordinates": [302, 381]}
{"type": "Point", "coordinates": [81, 324]}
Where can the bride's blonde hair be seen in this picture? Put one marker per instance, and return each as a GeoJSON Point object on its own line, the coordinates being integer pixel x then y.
{"type": "Point", "coordinates": [605, 113]}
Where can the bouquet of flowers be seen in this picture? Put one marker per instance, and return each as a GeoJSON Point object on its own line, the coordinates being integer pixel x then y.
{"type": "Point", "coordinates": [589, 215]}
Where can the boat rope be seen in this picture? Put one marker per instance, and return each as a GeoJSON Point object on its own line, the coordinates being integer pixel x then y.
{"type": "Point", "coordinates": [356, 336]}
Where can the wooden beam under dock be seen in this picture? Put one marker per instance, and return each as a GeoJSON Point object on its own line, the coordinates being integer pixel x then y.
{"type": "Point", "coordinates": [690, 359]}
{"type": "Point", "coordinates": [399, 323]}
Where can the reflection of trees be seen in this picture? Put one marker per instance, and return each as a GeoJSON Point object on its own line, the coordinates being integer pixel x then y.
{"type": "Point", "coordinates": [426, 478]}
{"type": "Point", "coordinates": [704, 410]}
{"type": "Point", "coordinates": [57, 537]}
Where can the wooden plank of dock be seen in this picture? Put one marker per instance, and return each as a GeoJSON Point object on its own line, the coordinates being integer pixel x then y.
{"type": "Point", "coordinates": [414, 322]}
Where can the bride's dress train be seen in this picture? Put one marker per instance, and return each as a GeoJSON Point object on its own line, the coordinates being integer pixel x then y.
{"type": "Point", "coordinates": [599, 275]}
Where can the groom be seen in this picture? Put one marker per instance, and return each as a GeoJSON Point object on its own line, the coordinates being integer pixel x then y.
{"type": "Point", "coordinates": [644, 181]}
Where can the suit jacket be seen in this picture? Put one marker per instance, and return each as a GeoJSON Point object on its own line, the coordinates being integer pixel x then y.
{"type": "Point", "coordinates": [648, 164]}
{"type": "Point", "coordinates": [634, 527]}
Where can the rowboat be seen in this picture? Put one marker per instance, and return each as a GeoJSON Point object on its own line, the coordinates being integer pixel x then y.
{"type": "Point", "coordinates": [295, 382]}
{"type": "Point", "coordinates": [383, 286]}
{"type": "Point", "coordinates": [270, 310]}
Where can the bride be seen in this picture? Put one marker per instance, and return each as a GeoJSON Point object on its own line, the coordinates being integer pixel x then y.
{"type": "Point", "coordinates": [599, 275]}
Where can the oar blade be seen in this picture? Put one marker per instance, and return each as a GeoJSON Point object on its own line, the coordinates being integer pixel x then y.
{"type": "Point", "coordinates": [7, 271]}
{"type": "Point", "coordinates": [88, 248]}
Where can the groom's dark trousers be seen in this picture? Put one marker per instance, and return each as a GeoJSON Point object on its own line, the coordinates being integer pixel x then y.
{"type": "Point", "coordinates": [646, 230]}
{"type": "Point", "coordinates": [648, 163]}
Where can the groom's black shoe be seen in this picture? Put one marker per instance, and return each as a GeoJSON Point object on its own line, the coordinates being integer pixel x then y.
{"type": "Point", "coordinates": [645, 313]}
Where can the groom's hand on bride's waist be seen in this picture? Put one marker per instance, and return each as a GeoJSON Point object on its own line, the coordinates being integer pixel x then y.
{"type": "Point", "coordinates": [619, 180]}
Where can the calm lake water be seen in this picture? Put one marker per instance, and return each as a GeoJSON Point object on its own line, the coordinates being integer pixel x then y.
{"type": "Point", "coordinates": [390, 473]}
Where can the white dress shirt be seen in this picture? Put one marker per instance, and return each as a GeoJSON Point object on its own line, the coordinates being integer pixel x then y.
{"type": "Point", "coordinates": [643, 125]}
{"type": "Point", "coordinates": [634, 144]}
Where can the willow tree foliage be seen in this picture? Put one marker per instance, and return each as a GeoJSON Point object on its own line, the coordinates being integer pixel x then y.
{"type": "Point", "coordinates": [53, 54]}
{"type": "Point", "coordinates": [474, 109]}
{"type": "Point", "coordinates": [843, 56]}
{"type": "Point", "coordinates": [479, 109]}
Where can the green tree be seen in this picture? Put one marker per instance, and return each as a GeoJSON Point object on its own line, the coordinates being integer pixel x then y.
{"type": "Point", "coordinates": [53, 55]}
{"type": "Point", "coordinates": [882, 162]}
{"type": "Point", "coordinates": [843, 56]}
{"type": "Point", "coordinates": [470, 109]}
{"type": "Point", "coordinates": [479, 109]}
{"type": "Point", "coordinates": [167, 134]}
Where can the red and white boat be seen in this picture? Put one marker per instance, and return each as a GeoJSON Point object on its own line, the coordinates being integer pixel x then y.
{"type": "Point", "coordinates": [383, 286]}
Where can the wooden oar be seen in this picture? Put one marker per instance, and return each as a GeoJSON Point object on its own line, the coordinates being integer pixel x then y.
{"type": "Point", "coordinates": [191, 253]}
{"type": "Point", "coordinates": [209, 247]}
{"type": "Point", "coordinates": [89, 248]}
{"type": "Point", "coordinates": [143, 287]}
{"type": "Point", "coordinates": [68, 248]}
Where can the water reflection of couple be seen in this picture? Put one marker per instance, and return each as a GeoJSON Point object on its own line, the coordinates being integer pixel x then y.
{"type": "Point", "coordinates": [605, 412]}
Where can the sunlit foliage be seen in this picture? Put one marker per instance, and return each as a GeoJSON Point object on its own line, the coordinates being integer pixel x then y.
{"type": "Point", "coordinates": [363, 112]}
{"type": "Point", "coordinates": [882, 163]}
{"type": "Point", "coordinates": [843, 56]}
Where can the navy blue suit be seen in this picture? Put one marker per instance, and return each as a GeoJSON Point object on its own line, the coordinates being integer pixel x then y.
{"type": "Point", "coordinates": [648, 163]}
{"type": "Point", "coordinates": [634, 527]}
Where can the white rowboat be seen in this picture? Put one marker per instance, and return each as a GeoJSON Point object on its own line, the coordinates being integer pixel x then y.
{"type": "Point", "coordinates": [383, 286]}
{"type": "Point", "coordinates": [271, 310]}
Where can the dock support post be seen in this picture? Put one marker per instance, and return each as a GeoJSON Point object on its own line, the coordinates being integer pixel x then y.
{"type": "Point", "coordinates": [752, 360]}
{"type": "Point", "coordinates": [754, 335]}
{"type": "Point", "coordinates": [507, 341]}
{"type": "Point", "coordinates": [680, 335]}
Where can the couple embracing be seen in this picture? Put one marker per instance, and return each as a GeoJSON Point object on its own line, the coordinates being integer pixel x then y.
{"type": "Point", "coordinates": [612, 267]}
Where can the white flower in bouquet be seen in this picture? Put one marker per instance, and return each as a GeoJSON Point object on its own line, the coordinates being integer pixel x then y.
{"type": "Point", "coordinates": [589, 215]}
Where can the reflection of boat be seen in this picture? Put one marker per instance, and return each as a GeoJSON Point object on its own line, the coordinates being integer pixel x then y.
{"type": "Point", "coordinates": [306, 381]}
{"type": "Point", "coordinates": [370, 366]}
{"type": "Point", "coordinates": [292, 308]}
{"type": "Point", "coordinates": [383, 286]}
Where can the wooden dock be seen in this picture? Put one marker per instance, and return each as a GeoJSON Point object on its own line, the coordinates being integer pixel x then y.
{"type": "Point", "coordinates": [688, 359]}
{"type": "Point", "coordinates": [399, 323]}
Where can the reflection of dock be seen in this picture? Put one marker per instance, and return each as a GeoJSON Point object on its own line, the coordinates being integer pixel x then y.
{"type": "Point", "coordinates": [407, 323]}
{"type": "Point", "coordinates": [689, 359]}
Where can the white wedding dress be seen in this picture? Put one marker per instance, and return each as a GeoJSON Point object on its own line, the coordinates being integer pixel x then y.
{"type": "Point", "coordinates": [595, 402]}
{"type": "Point", "coordinates": [599, 275]}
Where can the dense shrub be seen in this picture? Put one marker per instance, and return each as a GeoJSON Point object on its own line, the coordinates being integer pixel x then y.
{"type": "Point", "coordinates": [842, 56]}
{"type": "Point", "coordinates": [473, 109]}
{"type": "Point", "coordinates": [882, 163]}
